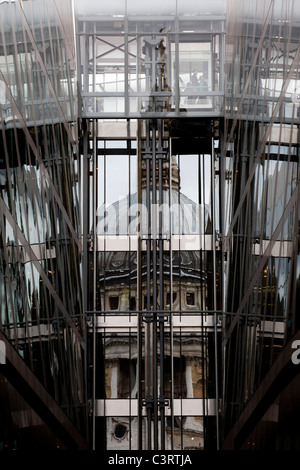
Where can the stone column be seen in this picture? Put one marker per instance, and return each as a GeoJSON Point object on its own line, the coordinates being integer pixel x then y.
{"type": "Point", "coordinates": [112, 378]}
{"type": "Point", "coordinates": [190, 424]}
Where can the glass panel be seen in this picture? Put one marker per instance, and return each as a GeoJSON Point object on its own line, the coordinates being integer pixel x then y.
{"type": "Point", "coordinates": [141, 66]}
{"type": "Point", "coordinates": [115, 215]}
{"type": "Point", "coordinates": [274, 185]}
{"type": "Point", "coordinates": [194, 73]}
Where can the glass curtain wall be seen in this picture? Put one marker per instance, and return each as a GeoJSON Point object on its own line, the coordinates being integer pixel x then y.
{"type": "Point", "coordinates": [151, 215]}
{"type": "Point", "coordinates": [132, 218]}
{"type": "Point", "coordinates": [40, 279]}
{"type": "Point", "coordinates": [117, 46]}
{"type": "Point", "coordinates": [151, 309]}
{"type": "Point", "coordinates": [262, 203]}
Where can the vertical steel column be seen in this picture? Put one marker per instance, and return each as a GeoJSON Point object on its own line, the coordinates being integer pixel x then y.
{"type": "Point", "coordinates": [177, 90]}
{"type": "Point", "coordinates": [151, 348]}
{"type": "Point", "coordinates": [161, 282]}
{"type": "Point", "coordinates": [154, 284]}
{"type": "Point", "coordinates": [222, 60]}
{"type": "Point", "coordinates": [84, 198]}
{"type": "Point", "coordinates": [126, 58]}
{"type": "Point", "coordinates": [85, 180]}
{"type": "Point", "coordinates": [171, 295]}
{"type": "Point", "coordinates": [148, 390]}
{"type": "Point", "coordinates": [85, 212]}
{"type": "Point", "coordinates": [84, 229]}
{"type": "Point", "coordinates": [86, 61]}
{"type": "Point", "coordinates": [139, 290]}
{"type": "Point", "coordinates": [149, 396]}
{"type": "Point", "coordinates": [154, 155]}
{"type": "Point", "coordinates": [214, 288]}
{"type": "Point", "coordinates": [94, 253]}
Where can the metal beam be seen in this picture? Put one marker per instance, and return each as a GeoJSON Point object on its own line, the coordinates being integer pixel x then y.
{"type": "Point", "coordinates": [35, 394]}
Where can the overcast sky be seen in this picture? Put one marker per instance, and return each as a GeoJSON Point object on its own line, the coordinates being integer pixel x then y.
{"type": "Point", "coordinates": [149, 6]}
{"type": "Point", "coordinates": [279, 9]}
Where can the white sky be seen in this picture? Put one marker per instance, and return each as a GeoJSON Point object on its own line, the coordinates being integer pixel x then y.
{"type": "Point", "coordinates": [88, 7]}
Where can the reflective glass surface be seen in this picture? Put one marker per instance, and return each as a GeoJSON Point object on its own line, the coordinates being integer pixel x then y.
{"type": "Point", "coordinates": [135, 63]}
{"type": "Point", "coordinates": [262, 128]}
{"type": "Point", "coordinates": [40, 292]}
{"type": "Point", "coordinates": [149, 223]}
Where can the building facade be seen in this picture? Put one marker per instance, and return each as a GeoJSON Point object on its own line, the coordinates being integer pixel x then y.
{"type": "Point", "coordinates": [43, 397]}
{"type": "Point", "coordinates": [262, 239]}
{"type": "Point", "coordinates": [149, 224]}
{"type": "Point", "coordinates": [150, 153]}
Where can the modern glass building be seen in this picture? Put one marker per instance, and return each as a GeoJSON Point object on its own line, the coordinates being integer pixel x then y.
{"type": "Point", "coordinates": [149, 224]}
{"type": "Point", "coordinates": [42, 326]}
{"type": "Point", "coordinates": [150, 153]}
{"type": "Point", "coordinates": [262, 266]}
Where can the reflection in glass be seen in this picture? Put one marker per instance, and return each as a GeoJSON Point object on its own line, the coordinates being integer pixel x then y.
{"type": "Point", "coordinates": [133, 65]}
